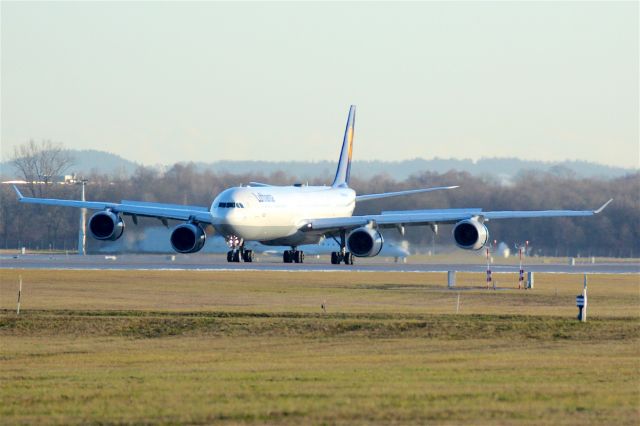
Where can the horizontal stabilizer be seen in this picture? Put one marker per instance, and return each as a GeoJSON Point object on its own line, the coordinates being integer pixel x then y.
{"type": "Point", "coordinates": [398, 193]}
{"type": "Point", "coordinates": [476, 211]}
{"type": "Point", "coordinates": [163, 205]}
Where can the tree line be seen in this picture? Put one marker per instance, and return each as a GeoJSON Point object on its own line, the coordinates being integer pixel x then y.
{"type": "Point", "coordinates": [615, 232]}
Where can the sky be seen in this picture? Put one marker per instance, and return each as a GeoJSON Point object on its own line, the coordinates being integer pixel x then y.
{"type": "Point", "coordinates": [160, 82]}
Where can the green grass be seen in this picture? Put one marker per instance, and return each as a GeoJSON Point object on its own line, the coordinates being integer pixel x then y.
{"type": "Point", "coordinates": [254, 348]}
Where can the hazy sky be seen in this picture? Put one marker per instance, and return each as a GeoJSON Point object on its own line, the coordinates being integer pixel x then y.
{"type": "Point", "coordinates": [165, 82]}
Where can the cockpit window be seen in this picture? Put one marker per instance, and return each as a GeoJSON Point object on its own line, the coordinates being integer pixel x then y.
{"type": "Point", "coordinates": [230, 205]}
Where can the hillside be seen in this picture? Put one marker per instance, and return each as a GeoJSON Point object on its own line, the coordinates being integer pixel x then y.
{"type": "Point", "coordinates": [502, 169]}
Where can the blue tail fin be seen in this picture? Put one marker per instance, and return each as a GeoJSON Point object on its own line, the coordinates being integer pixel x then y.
{"type": "Point", "coordinates": [344, 164]}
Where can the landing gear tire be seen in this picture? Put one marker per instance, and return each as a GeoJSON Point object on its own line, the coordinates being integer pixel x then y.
{"type": "Point", "coordinates": [293, 256]}
{"type": "Point", "coordinates": [348, 258]}
{"type": "Point", "coordinates": [337, 258]}
{"type": "Point", "coordinates": [247, 256]}
{"type": "Point", "coordinates": [233, 256]}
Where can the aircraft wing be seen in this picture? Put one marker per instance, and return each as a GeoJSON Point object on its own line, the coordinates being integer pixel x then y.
{"type": "Point", "coordinates": [429, 217]}
{"type": "Point", "coordinates": [132, 208]}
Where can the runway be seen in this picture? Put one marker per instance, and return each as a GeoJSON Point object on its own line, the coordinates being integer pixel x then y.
{"type": "Point", "coordinates": [219, 263]}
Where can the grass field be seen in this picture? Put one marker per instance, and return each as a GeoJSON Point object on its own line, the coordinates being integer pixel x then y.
{"type": "Point", "coordinates": [141, 347]}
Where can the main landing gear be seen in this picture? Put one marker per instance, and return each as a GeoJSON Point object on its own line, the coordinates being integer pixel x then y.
{"type": "Point", "coordinates": [337, 257]}
{"type": "Point", "coordinates": [293, 256]}
{"type": "Point", "coordinates": [238, 252]}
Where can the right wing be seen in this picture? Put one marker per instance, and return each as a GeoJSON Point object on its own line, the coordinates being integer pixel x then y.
{"type": "Point", "coordinates": [132, 208]}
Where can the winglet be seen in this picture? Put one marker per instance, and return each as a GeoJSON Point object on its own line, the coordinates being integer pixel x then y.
{"type": "Point", "coordinates": [20, 196]}
{"type": "Point", "coordinates": [603, 207]}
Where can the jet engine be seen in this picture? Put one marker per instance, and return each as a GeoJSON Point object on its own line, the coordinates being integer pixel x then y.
{"type": "Point", "coordinates": [470, 234]}
{"type": "Point", "coordinates": [365, 242]}
{"type": "Point", "coordinates": [106, 225]}
{"type": "Point", "coordinates": [188, 238]}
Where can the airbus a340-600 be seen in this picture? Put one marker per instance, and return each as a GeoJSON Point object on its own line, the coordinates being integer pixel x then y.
{"type": "Point", "coordinates": [295, 215]}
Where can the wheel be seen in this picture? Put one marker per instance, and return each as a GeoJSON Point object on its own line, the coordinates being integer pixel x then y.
{"type": "Point", "coordinates": [229, 256]}
{"type": "Point", "coordinates": [236, 255]}
{"type": "Point", "coordinates": [348, 258]}
{"type": "Point", "coordinates": [286, 256]}
{"type": "Point", "coordinates": [248, 256]}
{"type": "Point", "coordinates": [298, 256]}
{"type": "Point", "coordinates": [335, 259]}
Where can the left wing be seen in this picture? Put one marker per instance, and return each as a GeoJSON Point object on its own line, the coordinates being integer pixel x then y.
{"type": "Point", "coordinates": [430, 217]}
{"type": "Point", "coordinates": [132, 208]}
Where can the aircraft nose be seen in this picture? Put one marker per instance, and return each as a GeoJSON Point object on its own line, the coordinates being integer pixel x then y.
{"type": "Point", "coordinates": [230, 216]}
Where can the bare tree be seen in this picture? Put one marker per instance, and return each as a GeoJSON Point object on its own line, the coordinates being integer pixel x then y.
{"type": "Point", "coordinates": [40, 162]}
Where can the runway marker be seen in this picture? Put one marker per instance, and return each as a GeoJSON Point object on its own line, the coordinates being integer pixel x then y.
{"type": "Point", "coordinates": [521, 276]}
{"type": "Point", "coordinates": [488, 270]}
{"type": "Point", "coordinates": [581, 302]}
{"type": "Point", "coordinates": [19, 294]}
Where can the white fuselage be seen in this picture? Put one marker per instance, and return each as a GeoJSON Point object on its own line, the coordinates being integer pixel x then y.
{"type": "Point", "coordinates": [275, 214]}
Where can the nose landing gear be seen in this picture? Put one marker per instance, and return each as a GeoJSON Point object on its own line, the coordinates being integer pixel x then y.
{"type": "Point", "coordinates": [238, 252]}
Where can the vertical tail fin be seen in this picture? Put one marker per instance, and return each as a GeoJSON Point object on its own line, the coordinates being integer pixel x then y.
{"type": "Point", "coordinates": [344, 164]}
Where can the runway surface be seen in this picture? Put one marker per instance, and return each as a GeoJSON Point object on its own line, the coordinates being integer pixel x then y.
{"type": "Point", "coordinates": [219, 263]}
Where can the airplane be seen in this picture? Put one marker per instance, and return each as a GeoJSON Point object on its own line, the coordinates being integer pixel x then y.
{"type": "Point", "coordinates": [296, 215]}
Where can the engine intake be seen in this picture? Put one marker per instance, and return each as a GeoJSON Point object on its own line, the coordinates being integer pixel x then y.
{"type": "Point", "coordinates": [470, 234]}
{"type": "Point", "coordinates": [106, 225]}
{"type": "Point", "coordinates": [365, 242]}
{"type": "Point", "coordinates": [188, 238]}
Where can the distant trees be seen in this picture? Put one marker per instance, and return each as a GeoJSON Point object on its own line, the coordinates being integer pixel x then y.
{"type": "Point", "coordinates": [616, 232]}
{"type": "Point", "coordinates": [40, 162]}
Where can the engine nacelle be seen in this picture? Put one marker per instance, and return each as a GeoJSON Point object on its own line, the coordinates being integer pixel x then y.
{"type": "Point", "coordinates": [365, 242]}
{"type": "Point", "coordinates": [188, 238]}
{"type": "Point", "coordinates": [106, 225]}
{"type": "Point", "coordinates": [470, 234]}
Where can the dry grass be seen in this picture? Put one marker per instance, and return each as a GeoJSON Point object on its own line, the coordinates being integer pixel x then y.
{"type": "Point", "coordinates": [167, 347]}
{"type": "Point", "coordinates": [344, 292]}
